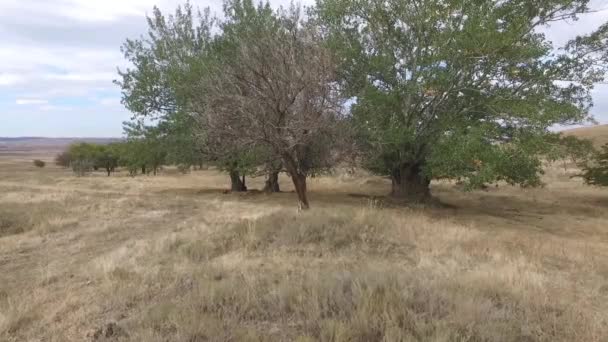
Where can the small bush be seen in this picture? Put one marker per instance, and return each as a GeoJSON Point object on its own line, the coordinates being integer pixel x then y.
{"type": "Point", "coordinates": [39, 163]}
{"type": "Point", "coordinates": [63, 159]}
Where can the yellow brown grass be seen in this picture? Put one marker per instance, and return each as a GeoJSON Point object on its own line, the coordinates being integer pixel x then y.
{"type": "Point", "coordinates": [171, 258]}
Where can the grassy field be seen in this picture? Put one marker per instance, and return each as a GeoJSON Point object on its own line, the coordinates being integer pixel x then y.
{"type": "Point", "coordinates": [173, 258]}
{"type": "Point", "coordinates": [597, 134]}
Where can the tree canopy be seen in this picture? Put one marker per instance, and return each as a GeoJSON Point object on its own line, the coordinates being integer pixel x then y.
{"type": "Point", "coordinates": [273, 90]}
{"type": "Point", "coordinates": [429, 89]}
{"type": "Point", "coordinates": [457, 89]}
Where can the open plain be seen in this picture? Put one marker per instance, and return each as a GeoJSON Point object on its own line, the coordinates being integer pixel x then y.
{"type": "Point", "coordinates": [175, 258]}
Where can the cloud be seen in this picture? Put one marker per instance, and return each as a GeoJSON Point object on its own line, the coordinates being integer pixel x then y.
{"type": "Point", "coordinates": [85, 77]}
{"type": "Point", "coordinates": [10, 79]}
{"type": "Point", "coordinates": [64, 55]}
{"type": "Point", "coordinates": [28, 102]}
{"type": "Point", "coordinates": [110, 101]}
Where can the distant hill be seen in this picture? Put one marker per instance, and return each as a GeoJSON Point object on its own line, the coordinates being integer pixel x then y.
{"type": "Point", "coordinates": [38, 145]}
{"type": "Point", "coordinates": [598, 134]}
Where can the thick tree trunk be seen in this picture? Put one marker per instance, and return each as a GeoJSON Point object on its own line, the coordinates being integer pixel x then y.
{"type": "Point", "coordinates": [299, 182]}
{"type": "Point", "coordinates": [143, 170]}
{"type": "Point", "coordinates": [237, 184]}
{"type": "Point", "coordinates": [272, 182]}
{"type": "Point", "coordinates": [409, 183]}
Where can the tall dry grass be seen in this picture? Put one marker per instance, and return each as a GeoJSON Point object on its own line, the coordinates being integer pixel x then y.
{"type": "Point", "coordinates": [173, 259]}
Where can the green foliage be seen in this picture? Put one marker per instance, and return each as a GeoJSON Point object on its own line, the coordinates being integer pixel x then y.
{"type": "Point", "coordinates": [569, 148]}
{"type": "Point", "coordinates": [86, 157]}
{"type": "Point", "coordinates": [453, 89]}
{"type": "Point", "coordinates": [39, 163]}
{"type": "Point", "coordinates": [144, 149]}
{"type": "Point", "coordinates": [159, 86]}
{"type": "Point", "coordinates": [596, 171]}
{"type": "Point", "coordinates": [168, 65]}
{"type": "Point", "coordinates": [164, 62]}
{"type": "Point", "coordinates": [82, 167]}
{"type": "Point", "coordinates": [460, 89]}
{"type": "Point", "coordinates": [83, 158]}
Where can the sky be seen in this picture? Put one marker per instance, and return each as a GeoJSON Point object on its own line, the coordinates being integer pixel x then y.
{"type": "Point", "coordinates": [58, 60]}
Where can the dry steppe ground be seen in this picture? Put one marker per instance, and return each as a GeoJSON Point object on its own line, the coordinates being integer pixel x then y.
{"type": "Point", "coordinates": [172, 258]}
{"type": "Point", "coordinates": [597, 134]}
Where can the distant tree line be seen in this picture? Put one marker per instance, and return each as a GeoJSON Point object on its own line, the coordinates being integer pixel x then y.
{"type": "Point", "coordinates": [411, 90]}
{"type": "Point", "coordinates": [135, 156]}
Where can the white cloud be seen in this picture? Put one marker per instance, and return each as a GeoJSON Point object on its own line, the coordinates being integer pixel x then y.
{"type": "Point", "coordinates": [27, 102]}
{"type": "Point", "coordinates": [86, 77]}
{"type": "Point", "coordinates": [10, 79]}
{"type": "Point", "coordinates": [52, 108]}
{"type": "Point", "coordinates": [110, 101]}
{"type": "Point", "coordinates": [58, 52]}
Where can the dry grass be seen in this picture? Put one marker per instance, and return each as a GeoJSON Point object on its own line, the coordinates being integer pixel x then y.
{"type": "Point", "coordinates": [171, 258]}
{"type": "Point", "coordinates": [598, 134]}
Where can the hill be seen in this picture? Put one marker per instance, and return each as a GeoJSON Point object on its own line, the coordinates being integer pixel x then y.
{"type": "Point", "coordinates": [598, 134]}
{"type": "Point", "coordinates": [28, 146]}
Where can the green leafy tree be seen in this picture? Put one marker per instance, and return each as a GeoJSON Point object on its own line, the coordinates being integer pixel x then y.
{"type": "Point", "coordinates": [83, 158]}
{"type": "Point", "coordinates": [168, 64]}
{"type": "Point", "coordinates": [145, 148]}
{"type": "Point", "coordinates": [160, 86]}
{"type": "Point", "coordinates": [106, 157]}
{"type": "Point", "coordinates": [456, 89]}
{"type": "Point", "coordinates": [568, 149]}
{"type": "Point", "coordinates": [595, 172]}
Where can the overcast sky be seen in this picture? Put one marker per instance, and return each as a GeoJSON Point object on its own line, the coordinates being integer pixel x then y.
{"type": "Point", "coordinates": [58, 59]}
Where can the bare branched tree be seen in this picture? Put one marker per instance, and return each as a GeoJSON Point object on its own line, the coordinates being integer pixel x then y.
{"type": "Point", "coordinates": [275, 89]}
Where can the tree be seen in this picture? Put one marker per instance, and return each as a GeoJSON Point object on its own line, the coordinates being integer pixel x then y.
{"type": "Point", "coordinates": [273, 89]}
{"type": "Point", "coordinates": [82, 158]}
{"type": "Point", "coordinates": [569, 148]}
{"type": "Point", "coordinates": [145, 148]}
{"type": "Point", "coordinates": [39, 163]}
{"type": "Point", "coordinates": [63, 159]}
{"type": "Point", "coordinates": [160, 87]}
{"type": "Point", "coordinates": [106, 157]}
{"type": "Point", "coordinates": [455, 89]}
{"type": "Point", "coordinates": [595, 172]}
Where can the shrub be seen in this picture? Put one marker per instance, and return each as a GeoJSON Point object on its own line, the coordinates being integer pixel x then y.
{"type": "Point", "coordinates": [63, 159]}
{"type": "Point", "coordinates": [39, 163]}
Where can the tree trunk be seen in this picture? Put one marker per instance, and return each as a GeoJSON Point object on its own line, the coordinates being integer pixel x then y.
{"type": "Point", "coordinates": [299, 182]}
{"type": "Point", "coordinates": [409, 183]}
{"type": "Point", "coordinates": [298, 178]}
{"type": "Point", "coordinates": [272, 182]}
{"type": "Point", "coordinates": [109, 171]}
{"type": "Point", "coordinates": [236, 184]}
{"type": "Point", "coordinates": [143, 170]}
